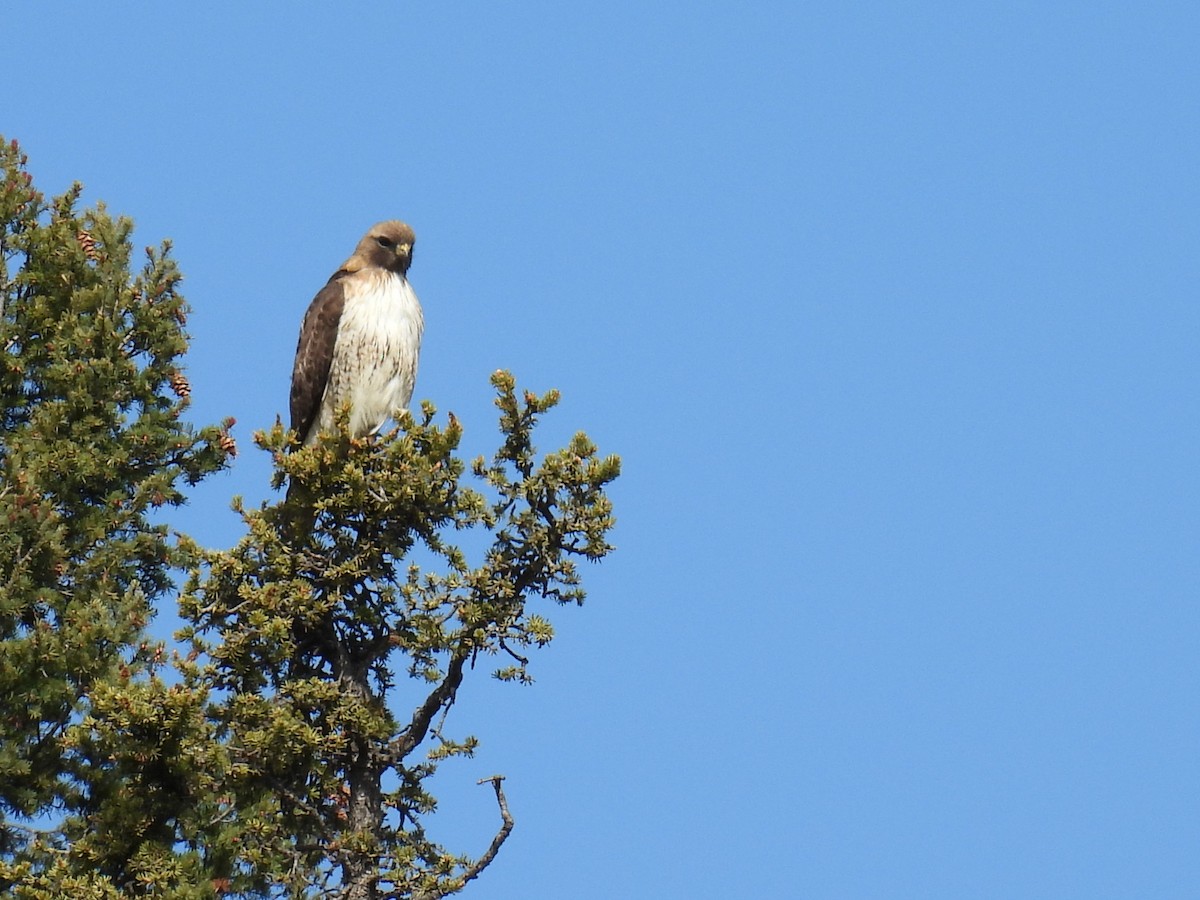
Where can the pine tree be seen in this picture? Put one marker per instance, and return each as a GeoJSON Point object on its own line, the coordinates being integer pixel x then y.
{"type": "Point", "coordinates": [283, 747]}
{"type": "Point", "coordinates": [93, 451]}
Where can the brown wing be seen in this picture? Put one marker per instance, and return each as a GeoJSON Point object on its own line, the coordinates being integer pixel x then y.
{"type": "Point", "coordinates": [314, 353]}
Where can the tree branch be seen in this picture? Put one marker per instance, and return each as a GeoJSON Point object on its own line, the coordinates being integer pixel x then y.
{"type": "Point", "coordinates": [506, 828]}
{"type": "Point", "coordinates": [411, 737]}
{"type": "Point", "coordinates": [476, 868]}
{"type": "Point", "coordinates": [524, 661]}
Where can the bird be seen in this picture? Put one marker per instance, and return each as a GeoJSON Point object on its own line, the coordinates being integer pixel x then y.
{"type": "Point", "coordinates": [360, 339]}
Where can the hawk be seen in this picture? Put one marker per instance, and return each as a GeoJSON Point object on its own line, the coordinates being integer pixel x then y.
{"type": "Point", "coordinates": [360, 339]}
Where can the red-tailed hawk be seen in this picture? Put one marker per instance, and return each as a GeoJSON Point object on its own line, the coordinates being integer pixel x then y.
{"type": "Point", "coordinates": [360, 339]}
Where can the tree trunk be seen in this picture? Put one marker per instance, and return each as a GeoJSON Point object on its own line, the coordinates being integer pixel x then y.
{"type": "Point", "coordinates": [360, 871]}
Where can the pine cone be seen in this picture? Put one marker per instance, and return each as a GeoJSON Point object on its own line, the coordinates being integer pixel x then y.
{"type": "Point", "coordinates": [227, 443]}
{"type": "Point", "coordinates": [180, 385]}
{"type": "Point", "coordinates": [88, 243]}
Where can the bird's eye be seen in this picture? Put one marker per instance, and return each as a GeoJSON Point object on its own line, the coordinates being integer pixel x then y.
{"type": "Point", "coordinates": [384, 242]}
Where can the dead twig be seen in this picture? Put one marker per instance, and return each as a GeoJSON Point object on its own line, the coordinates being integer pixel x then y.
{"type": "Point", "coordinates": [473, 871]}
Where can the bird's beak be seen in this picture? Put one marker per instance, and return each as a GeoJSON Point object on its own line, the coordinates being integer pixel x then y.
{"type": "Point", "coordinates": [404, 249]}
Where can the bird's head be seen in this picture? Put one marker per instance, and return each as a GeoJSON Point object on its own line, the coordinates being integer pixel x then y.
{"type": "Point", "coordinates": [388, 245]}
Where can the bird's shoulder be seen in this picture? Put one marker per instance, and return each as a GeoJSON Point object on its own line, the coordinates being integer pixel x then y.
{"type": "Point", "coordinates": [330, 302]}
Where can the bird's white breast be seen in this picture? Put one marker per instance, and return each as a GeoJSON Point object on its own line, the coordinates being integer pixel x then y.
{"type": "Point", "coordinates": [375, 355]}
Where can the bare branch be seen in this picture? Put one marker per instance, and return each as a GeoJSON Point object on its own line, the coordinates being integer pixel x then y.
{"type": "Point", "coordinates": [506, 828]}
{"type": "Point", "coordinates": [524, 661]}
{"type": "Point", "coordinates": [476, 868]}
{"type": "Point", "coordinates": [441, 722]}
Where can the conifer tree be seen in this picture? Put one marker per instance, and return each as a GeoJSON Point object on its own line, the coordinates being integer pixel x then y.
{"type": "Point", "coordinates": [93, 449]}
{"type": "Point", "coordinates": [283, 746]}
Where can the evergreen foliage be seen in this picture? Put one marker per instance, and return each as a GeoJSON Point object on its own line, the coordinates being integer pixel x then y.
{"type": "Point", "coordinates": [283, 746]}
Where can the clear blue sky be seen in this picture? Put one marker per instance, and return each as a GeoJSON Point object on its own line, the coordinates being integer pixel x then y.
{"type": "Point", "coordinates": [891, 310]}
